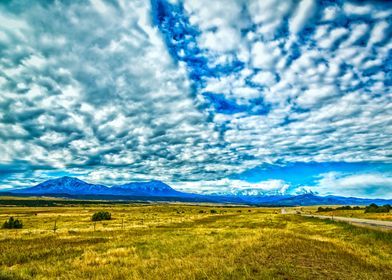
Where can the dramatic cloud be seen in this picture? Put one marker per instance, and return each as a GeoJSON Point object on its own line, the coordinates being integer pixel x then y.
{"type": "Point", "coordinates": [364, 185]}
{"type": "Point", "coordinates": [195, 92]}
{"type": "Point", "coordinates": [235, 187]}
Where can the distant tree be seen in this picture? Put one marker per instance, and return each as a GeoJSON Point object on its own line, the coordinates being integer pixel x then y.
{"type": "Point", "coordinates": [12, 223]}
{"type": "Point", "coordinates": [374, 208]}
{"type": "Point", "coordinates": [213, 211]}
{"type": "Point", "coordinates": [201, 211]}
{"type": "Point", "coordinates": [326, 209]}
{"type": "Point", "coordinates": [101, 215]}
{"type": "Point", "coordinates": [344, 208]}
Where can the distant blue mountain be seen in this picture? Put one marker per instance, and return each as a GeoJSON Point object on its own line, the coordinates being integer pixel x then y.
{"type": "Point", "coordinates": [312, 199]}
{"type": "Point", "coordinates": [63, 185]}
{"type": "Point", "coordinates": [73, 186]}
{"type": "Point", "coordinates": [157, 190]}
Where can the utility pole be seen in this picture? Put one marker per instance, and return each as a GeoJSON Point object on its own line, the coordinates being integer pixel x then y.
{"type": "Point", "coordinates": [55, 226]}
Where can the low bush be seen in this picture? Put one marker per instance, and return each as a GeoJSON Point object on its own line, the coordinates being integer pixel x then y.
{"type": "Point", "coordinates": [101, 215]}
{"type": "Point", "coordinates": [328, 209]}
{"type": "Point", "coordinates": [13, 223]}
{"type": "Point", "coordinates": [374, 208]}
{"type": "Point", "coordinates": [344, 208]}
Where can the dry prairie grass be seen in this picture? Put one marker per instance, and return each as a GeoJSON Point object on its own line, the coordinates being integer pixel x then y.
{"type": "Point", "coordinates": [174, 241]}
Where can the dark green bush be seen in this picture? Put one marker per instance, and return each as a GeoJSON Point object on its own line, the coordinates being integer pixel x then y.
{"type": "Point", "coordinates": [213, 211]}
{"type": "Point", "coordinates": [374, 208]}
{"type": "Point", "coordinates": [13, 223]}
{"type": "Point", "coordinates": [344, 208]}
{"type": "Point", "coordinates": [326, 209]}
{"type": "Point", "coordinates": [101, 215]}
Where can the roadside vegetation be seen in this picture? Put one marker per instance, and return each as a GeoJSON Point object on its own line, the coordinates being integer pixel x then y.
{"type": "Point", "coordinates": [374, 208]}
{"type": "Point", "coordinates": [372, 211]}
{"type": "Point", "coordinates": [179, 241]}
{"type": "Point", "coordinates": [329, 209]}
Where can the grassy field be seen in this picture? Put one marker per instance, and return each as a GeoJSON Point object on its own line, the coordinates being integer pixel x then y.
{"type": "Point", "coordinates": [177, 241]}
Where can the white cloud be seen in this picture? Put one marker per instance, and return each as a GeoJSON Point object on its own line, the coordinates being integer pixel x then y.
{"type": "Point", "coordinates": [313, 96]}
{"type": "Point", "coordinates": [334, 36]}
{"type": "Point", "coordinates": [362, 185]}
{"type": "Point", "coordinates": [379, 32]}
{"type": "Point", "coordinates": [225, 39]}
{"type": "Point", "coordinates": [303, 13]}
{"type": "Point", "coordinates": [264, 55]}
{"type": "Point", "coordinates": [264, 78]}
{"type": "Point", "coordinates": [234, 187]}
{"type": "Point", "coordinates": [269, 15]}
{"type": "Point", "coordinates": [351, 8]}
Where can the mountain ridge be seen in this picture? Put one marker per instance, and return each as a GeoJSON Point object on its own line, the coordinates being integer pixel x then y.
{"type": "Point", "coordinates": [157, 190]}
{"type": "Point", "coordinates": [74, 186]}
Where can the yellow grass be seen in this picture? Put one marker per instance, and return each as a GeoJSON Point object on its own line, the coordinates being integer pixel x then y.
{"type": "Point", "coordinates": [175, 241]}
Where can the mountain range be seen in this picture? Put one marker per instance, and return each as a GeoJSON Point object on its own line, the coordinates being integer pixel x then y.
{"type": "Point", "coordinates": [73, 186]}
{"type": "Point", "coordinates": [159, 191]}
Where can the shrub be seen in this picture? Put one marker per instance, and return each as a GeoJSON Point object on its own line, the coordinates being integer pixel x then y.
{"type": "Point", "coordinates": [374, 208]}
{"type": "Point", "coordinates": [344, 208]}
{"type": "Point", "coordinates": [201, 211]}
{"type": "Point", "coordinates": [213, 211]}
{"type": "Point", "coordinates": [13, 223]}
{"type": "Point", "coordinates": [326, 209]}
{"type": "Point", "coordinates": [101, 215]}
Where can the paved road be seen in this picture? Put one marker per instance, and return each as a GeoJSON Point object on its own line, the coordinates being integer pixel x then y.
{"type": "Point", "coordinates": [355, 221]}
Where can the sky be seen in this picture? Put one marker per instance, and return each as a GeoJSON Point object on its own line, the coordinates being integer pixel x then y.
{"type": "Point", "coordinates": [216, 97]}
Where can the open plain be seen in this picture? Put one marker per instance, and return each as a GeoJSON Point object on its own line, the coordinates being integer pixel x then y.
{"type": "Point", "coordinates": [180, 241]}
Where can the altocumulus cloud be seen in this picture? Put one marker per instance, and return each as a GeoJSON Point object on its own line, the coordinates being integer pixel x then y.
{"type": "Point", "coordinates": [195, 92]}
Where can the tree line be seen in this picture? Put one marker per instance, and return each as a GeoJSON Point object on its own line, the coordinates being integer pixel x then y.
{"type": "Point", "coordinates": [372, 208]}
